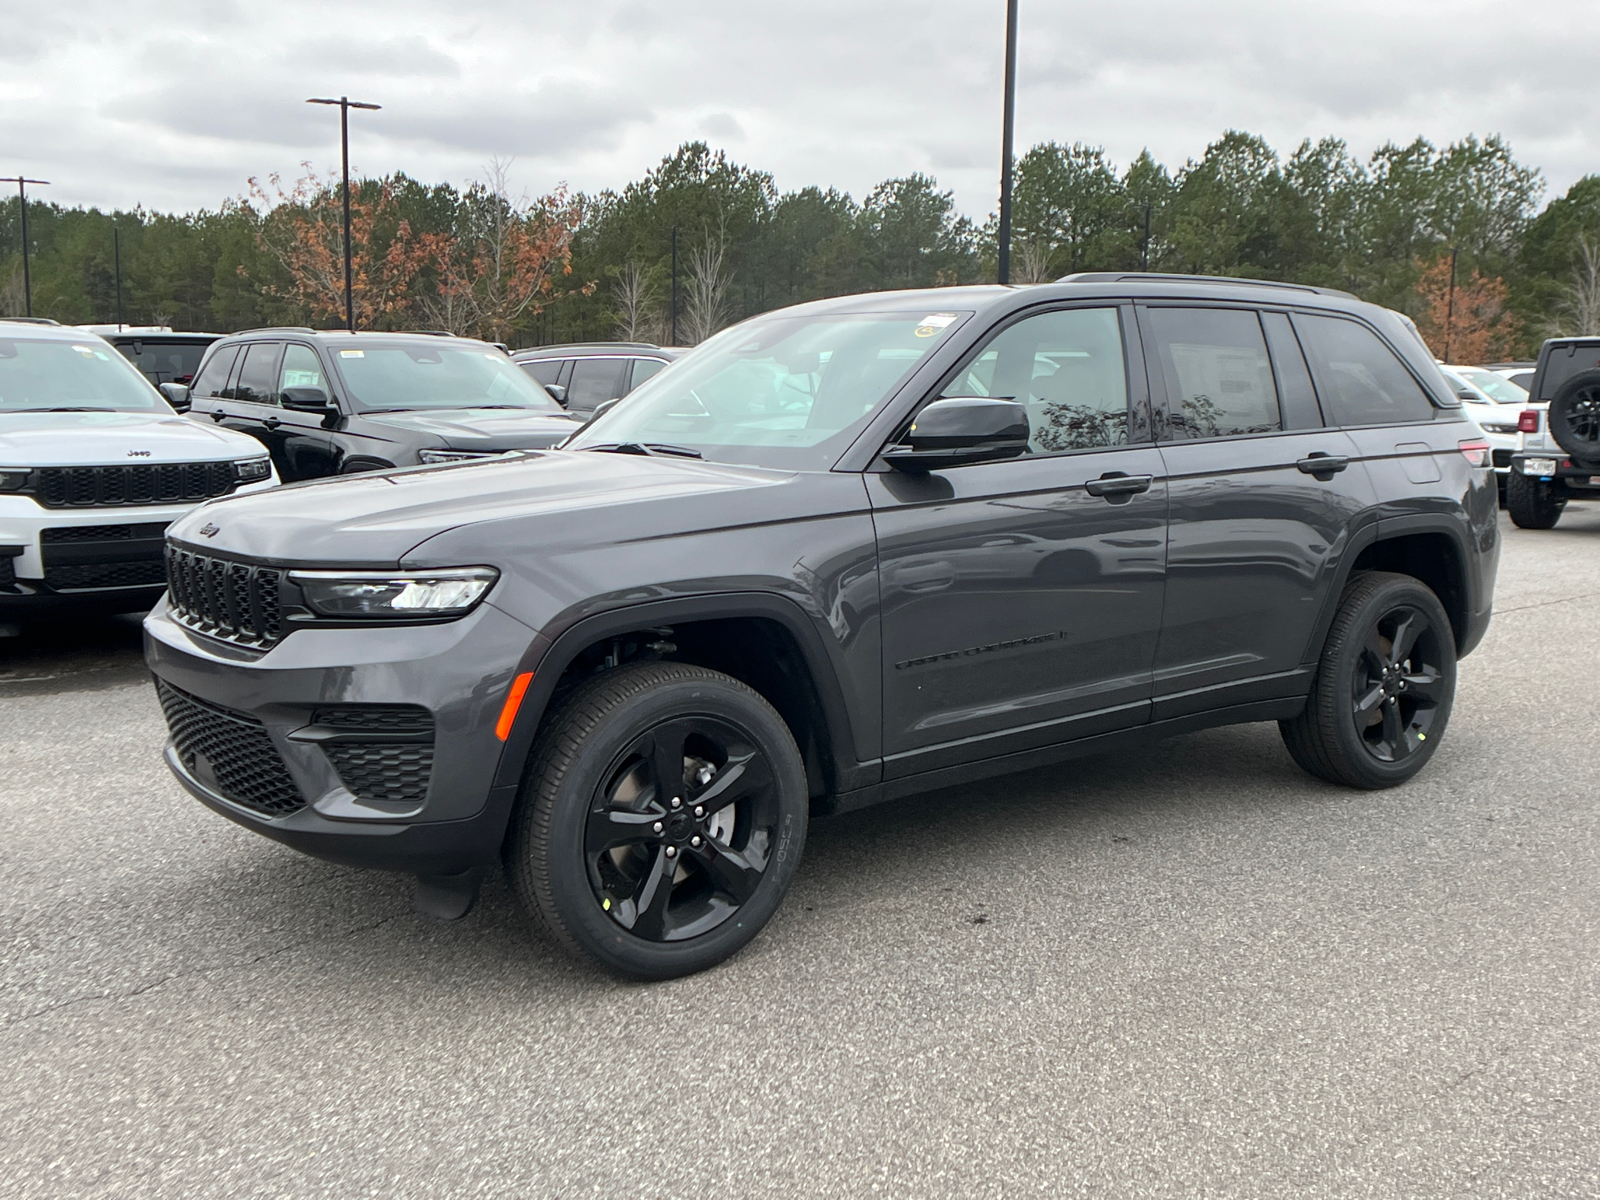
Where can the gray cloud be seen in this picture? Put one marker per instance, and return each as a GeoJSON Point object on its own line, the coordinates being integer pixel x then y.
{"type": "Point", "coordinates": [173, 104]}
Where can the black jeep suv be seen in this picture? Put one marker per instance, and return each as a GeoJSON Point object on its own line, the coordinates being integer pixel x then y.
{"type": "Point", "coordinates": [337, 403]}
{"type": "Point", "coordinates": [840, 553]}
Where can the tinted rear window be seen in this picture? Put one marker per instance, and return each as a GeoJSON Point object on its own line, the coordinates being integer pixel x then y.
{"type": "Point", "coordinates": [164, 362]}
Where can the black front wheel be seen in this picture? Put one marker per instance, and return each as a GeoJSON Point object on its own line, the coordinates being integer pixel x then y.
{"type": "Point", "coordinates": [1384, 686]}
{"type": "Point", "coordinates": [662, 821]}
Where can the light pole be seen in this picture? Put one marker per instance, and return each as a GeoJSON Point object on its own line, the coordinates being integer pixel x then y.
{"type": "Point", "coordinates": [345, 105]}
{"type": "Point", "coordinates": [1450, 305]}
{"type": "Point", "coordinates": [22, 183]}
{"type": "Point", "coordinates": [1006, 125]}
{"type": "Point", "coordinates": [116, 255]}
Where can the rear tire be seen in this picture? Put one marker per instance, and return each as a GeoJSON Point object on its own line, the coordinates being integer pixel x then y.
{"type": "Point", "coordinates": [662, 820]}
{"type": "Point", "coordinates": [1384, 686]}
{"type": "Point", "coordinates": [1533, 503]}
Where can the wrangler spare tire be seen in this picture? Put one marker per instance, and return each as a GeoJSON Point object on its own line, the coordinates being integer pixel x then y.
{"type": "Point", "coordinates": [1575, 416]}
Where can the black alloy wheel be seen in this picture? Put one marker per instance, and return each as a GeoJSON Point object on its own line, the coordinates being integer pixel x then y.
{"type": "Point", "coordinates": [1397, 684]}
{"type": "Point", "coordinates": [681, 829]}
{"type": "Point", "coordinates": [1384, 686]}
{"type": "Point", "coordinates": [662, 819]}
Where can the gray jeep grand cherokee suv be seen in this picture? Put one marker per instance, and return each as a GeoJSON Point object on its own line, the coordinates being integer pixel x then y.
{"type": "Point", "coordinates": [840, 553]}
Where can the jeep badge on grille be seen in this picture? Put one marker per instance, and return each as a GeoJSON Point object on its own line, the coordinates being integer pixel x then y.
{"type": "Point", "coordinates": [209, 530]}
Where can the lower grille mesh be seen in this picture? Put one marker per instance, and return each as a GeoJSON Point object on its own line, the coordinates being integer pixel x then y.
{"type": "Point", "coordinates": [394, 773]}
{"type": "Point", "coordinates": [233, 748]}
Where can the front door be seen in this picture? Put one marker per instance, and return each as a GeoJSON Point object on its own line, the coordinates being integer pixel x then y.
{"type": "Point", "coordinates": [304, 445]}
{"type": "Point", "coordinates": [1022, 599]}
{"type": "Point", "coordinates": [1263, 500]}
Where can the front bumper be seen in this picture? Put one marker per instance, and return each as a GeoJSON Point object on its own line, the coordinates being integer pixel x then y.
{"type": "Point", "coordinates": [458, 671]}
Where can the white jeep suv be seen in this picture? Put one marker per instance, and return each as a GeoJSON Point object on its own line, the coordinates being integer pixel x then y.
{"type": "Point", "coordinates": [94, 464]}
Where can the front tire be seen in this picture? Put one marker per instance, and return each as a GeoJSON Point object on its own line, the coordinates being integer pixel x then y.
{"type": "Point", "coordinates": [1384, 686]}
{"type": "Point", "coordinates": [662, 820]}
{"type": "Point", "coordinates": [1532, 503]}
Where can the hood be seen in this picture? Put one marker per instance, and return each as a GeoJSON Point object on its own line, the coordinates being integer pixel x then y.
{"type": "Point", "coordinates": [377, 518]}
{"type": "Point", "coordinates": [485, 428]}
{"type": "Point", "coordinates": [80, 439]}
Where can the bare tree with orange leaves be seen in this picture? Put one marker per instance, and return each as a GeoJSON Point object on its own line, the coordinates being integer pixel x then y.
{"type": "Point", "coordinates": [504, 258]}
{"type": "Point", "coordinates": [302, 229]}
{"type": "Point", "coordinates": [1468, 323]}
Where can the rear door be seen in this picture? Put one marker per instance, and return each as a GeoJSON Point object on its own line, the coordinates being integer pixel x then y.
{"type": "Point", "coordinates": [1022, 599]}
{"type": "Point", "coordinates": [1262, 502]}
{"type": "Point", "coordinates": [250, 404]}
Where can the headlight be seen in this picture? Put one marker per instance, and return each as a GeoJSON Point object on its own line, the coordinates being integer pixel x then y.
{"type": "Point", "coordinates": [249, 470]}
{"type": "Point", "coordinates": [450, 592]}
{"type": "Point", "coordinates": [13, 479]}
{"type": "Point", "coordinates": [444, 456]}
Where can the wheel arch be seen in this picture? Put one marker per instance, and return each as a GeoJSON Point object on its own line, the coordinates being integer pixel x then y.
{"type": "Point", "coordinates": [763, 639]}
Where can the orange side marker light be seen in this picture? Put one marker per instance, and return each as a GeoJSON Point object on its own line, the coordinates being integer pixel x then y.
{"type": "Point", "coordinates": [508, 713]}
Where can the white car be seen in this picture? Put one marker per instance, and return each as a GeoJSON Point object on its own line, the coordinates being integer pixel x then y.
{"type": "Point", "coordinates": [1495, 403]}
{"type": "Point", "coordinates": [94, 464]}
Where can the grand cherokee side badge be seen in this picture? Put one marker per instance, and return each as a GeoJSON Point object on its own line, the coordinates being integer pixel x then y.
{"type": "Point", "coordinates": [209, 530]}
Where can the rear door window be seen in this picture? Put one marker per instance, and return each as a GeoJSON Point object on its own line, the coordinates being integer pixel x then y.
{"type": "Point", "coordinates": [258, 377]}
{"type": "Point", "coordinates": [213, 379]}
{"type": "Point", "coordinates": [1217, 373]}
{"type": "Point", "coordinates": [594, 381]}
{"type": "Point", "coordinates": [1360, 380]}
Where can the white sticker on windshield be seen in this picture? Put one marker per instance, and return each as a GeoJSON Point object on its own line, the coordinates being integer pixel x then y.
{"type": "Point", "coordinates": [86, 351]}
{"type": "Point", "coordinates": [352, 354]}
{"type": "Point", "coordinates": [933, 322]}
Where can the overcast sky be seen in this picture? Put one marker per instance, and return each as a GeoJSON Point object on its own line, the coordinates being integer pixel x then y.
{"type": "Point", "coordinates": [174, 104]}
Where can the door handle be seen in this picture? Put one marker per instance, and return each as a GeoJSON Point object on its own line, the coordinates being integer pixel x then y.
{"type": "Point", "coordinates": [1117, 487]}
{"type": "Point", "coordinates": [218, 415]}
{"type": "Point", "coordinates": [1323, 466]}
{"type": "Point", "coordinates": [272, 422]}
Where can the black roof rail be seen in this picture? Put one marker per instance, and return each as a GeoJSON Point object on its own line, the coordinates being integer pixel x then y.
{"type": "Point", "coordinates": [1170, 277]}
{"type": "Point", "coordinates": [589, 346]}
{"type": "Point", "coordinates": [273, 329]}
{"type": "Point", "coordinates": [31, 320]}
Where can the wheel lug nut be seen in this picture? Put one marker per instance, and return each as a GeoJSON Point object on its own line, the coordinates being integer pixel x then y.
{"type": "Point", "coordinates": [676, 802]}
{"type": "Point", "coordinates": [694, 841]}
{"type": "Point", "coordinates": [672, 852]}
{"type": "Point", "coordinates": [699, 811]}
{"type": "Point", "coordinates": [658, 827]}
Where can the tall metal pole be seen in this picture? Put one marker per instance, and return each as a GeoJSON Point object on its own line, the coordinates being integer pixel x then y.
{"type": "Point", "coordinates": [1147, 235]}
{"type": "Point", "coordinates": [116, 254]}
{"type": "Point", "coordinates": [345, 105]}
{"type": "Point", "coordinates": [1450, 305]}
{"type": "Point", "coordinates": [22, 196]}
{"type": "Point", "coordinates": [1008, 123]}
{"type": "Point", "coordinates": [674, 285]}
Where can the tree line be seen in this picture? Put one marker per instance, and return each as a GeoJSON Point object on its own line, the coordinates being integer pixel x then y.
{"type": "Point", "coordinates": [1454, 236]}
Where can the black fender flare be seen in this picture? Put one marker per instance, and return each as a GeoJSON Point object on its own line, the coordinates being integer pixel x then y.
{"type": "Point", "coordinates": [547, 660]}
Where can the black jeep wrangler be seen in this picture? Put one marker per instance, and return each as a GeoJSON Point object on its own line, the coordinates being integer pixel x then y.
{"type": "Point", "coordinates": [1560, 455]}
{"type": "Point", "coordinates": [840, 553]}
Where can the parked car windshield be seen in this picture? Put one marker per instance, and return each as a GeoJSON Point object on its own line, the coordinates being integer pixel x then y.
{"type": "Point", "coordinates": [49, 374]}
{"type": "Point", "coordinates": [782, 391]}
{"type": "Point", "coordinates": [1497, 387]}
{"type": "Point", "coordinates": [404, 376]}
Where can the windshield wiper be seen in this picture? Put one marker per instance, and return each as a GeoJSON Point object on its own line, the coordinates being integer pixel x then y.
{"type": "Point", "coordinates": [62, 409]}
{"type": "Point", "coordinates": [648, 449]}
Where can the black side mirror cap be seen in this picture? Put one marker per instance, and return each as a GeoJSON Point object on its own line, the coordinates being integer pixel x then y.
{"type": "Point", "coordinates": [306, 399]}
{"type": "Point", "coordinates": [961, 430]}
{"type": "Point", "coordinates": [177, 395]}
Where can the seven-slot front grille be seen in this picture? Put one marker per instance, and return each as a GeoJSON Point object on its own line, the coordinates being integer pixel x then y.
{"type": "Point", "coordinates": [235, 601]}
{"type": "Point", "coordinates": [135, 483]}
{"type": "Point", "coordinates": [229, 751]}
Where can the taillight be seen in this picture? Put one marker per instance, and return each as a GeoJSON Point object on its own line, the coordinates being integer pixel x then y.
{"type": "Point", "coordinates": [1528, 421]}
{"type": "Point", "coordinates": [1476, 453]}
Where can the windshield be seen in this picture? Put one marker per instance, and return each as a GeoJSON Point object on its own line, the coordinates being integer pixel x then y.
{"type": "Point", "coordinates": [1497, 387]}
{"type": "Point", "coordinates": [54, 374]}
{"type": "Point", "coordinates": [405, 376]}
{"type": "Point", "coordinates": [775, 391]}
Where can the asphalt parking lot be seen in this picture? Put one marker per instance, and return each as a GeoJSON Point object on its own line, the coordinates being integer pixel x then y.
{"type": "Point", "coordinates": [1195, 973]}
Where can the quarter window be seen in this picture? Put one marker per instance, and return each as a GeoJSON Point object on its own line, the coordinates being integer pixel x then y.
{"type": "Point", "coordinates": [544, 370]}
{"type": "Point", "coordinates": [1360, 379]}
{"type": "Point", "coordinates": [1066, 368]}
{"type": "Point", "coordinates": [1218, 376]}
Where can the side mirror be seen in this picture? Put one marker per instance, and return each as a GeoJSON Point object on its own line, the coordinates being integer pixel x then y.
{"type": "Point", "coordinates": [306, 399]}
{"type": "Point", "coordinates": [557, 393]}
{"type": "Point", "coordinates": [959, 431]}
{"type": "Point", "coordinates": [177, 395]}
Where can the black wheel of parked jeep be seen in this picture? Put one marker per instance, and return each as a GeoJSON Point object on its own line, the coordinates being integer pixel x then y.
{"type": "Point", "coordinates": [661, 821]}
{"type": "Point", "coordinates": [1383, 689]}
{"type": "Point", "coordinates": [1575, 416]}
{"type": "Point", "coordinates": [1532, 503]}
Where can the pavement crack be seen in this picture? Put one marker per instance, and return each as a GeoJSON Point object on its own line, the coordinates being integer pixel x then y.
{"type": "Point", "coordinates": [1544, 603]}
{"type": "Point", "coordinates": [244, 964]}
